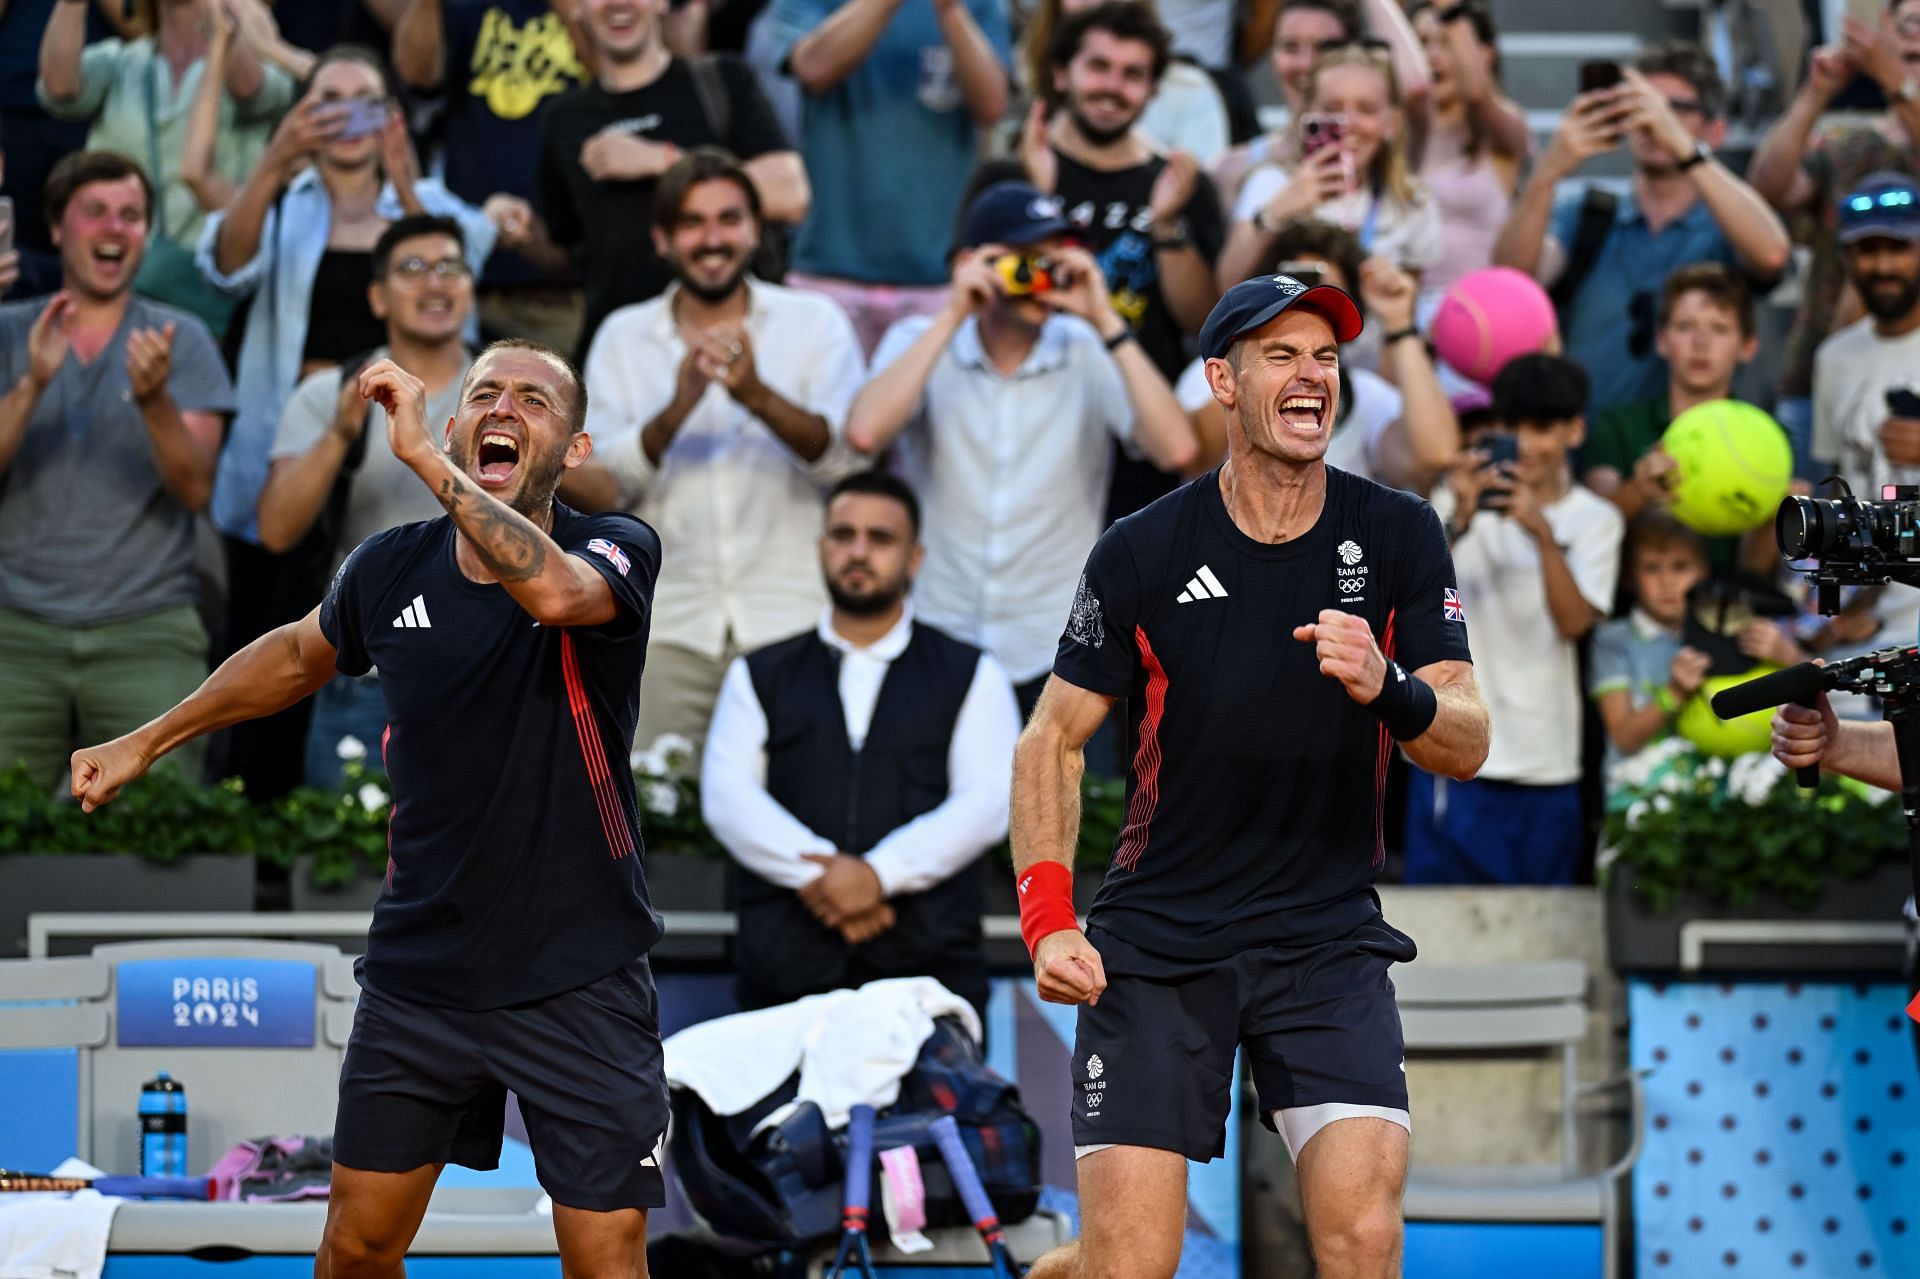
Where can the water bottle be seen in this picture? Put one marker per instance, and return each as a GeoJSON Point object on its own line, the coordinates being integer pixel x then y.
{"type": "Point", "coordinates": [163, 1127]}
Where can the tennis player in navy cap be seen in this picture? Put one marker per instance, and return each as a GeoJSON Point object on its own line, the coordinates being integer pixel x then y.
{"type": "Point", "coordinates": [1274, 629]}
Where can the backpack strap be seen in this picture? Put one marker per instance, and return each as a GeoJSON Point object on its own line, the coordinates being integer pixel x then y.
{"type": "Point", "coordinates": [1598, 208]}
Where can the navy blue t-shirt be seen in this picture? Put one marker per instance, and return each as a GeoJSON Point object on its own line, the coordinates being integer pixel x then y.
{"type": "Point", "coordinates": [1255, 783]}
{"type": "Point", "coordinates": [514, 847]}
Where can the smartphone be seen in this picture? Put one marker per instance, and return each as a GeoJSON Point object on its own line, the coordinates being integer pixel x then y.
{"type": "Point", "coordinates": [1601, 74]}
{"type": "Point", "coordinates": [362, 117]}
{"type": "Point", "coordinates": [1025, 274]}
{"type": "Point", "coordinates": [1502, 449]}
{"type": "Point", "coordinates": [1308, 272]}
{"type": "Point", "coordinates": [6, 223]}
{"type": "Point", "coordinates": [1902, 402]}
{"type": "Point", "coordinates": [1321, 129]}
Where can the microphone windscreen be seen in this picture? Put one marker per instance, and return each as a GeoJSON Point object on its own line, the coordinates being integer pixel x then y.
{"type": "Point", "coordinates": [1800, 683]}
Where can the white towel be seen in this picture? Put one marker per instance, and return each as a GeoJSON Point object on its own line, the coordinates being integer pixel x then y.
{"type": "Point", "coordinates": [850, 1046]}
{"type": "Point", "coordinates": [55, 1236]}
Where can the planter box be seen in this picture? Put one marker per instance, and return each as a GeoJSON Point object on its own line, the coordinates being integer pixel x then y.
{"type": "Point", "coordinates": [1855, 927]}
{"type": "Point", "coordinates": [358, 893]}
{"type": "Point", "coordinates": [32, 883]}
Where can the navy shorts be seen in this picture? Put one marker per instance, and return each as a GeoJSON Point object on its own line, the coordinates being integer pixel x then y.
{"type": "Point", "coordinates": [1153, 1060]}
{"type": "Point", "coordinates": [422, 1084]}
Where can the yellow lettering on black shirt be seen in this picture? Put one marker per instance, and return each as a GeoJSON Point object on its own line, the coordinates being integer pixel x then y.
{"type": "Point", "coordinates": [515, 67]}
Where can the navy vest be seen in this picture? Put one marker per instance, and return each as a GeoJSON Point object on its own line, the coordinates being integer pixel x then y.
{"type": "Point", "coordinates": [855, 799]}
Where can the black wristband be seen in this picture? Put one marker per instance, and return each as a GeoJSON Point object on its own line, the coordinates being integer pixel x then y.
{"type": "Point", "coordinates": [1411, 331]}
{"type": "Point", "coordinates": [1406, 705]}
{"type": "Point", "coordinates": [1120, 339]}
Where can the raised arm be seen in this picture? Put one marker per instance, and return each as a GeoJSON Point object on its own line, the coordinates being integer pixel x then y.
{"type": "Point", "coordinates": [308, 127]}
{"type": "Point", "coordinates": [419, 49]}
{"type": "Point", "coordinates": [266, 676]}
{"type": "Point", "coordinates": [186, 444]}
{"type": "Point", "coordinates": [781, 179]}
{"type": "Point", "coordinates": [976, 64]}
{"type": "Point", "coordinates": [828, 54]}
{"type": "Point", "coordinates": [1429, 432]}
{"type": "Point", "coordinates": [211, 189]}
{"type": "Point", "coordinates": [1387, 22]}
{"type": "Point", "coordinates": [1504, 124]}
{"type": "Point", "coordinates": [1775, 170]}
{"type": "Point", "coordinates": [555, 588]}
{"type": "Point", "coordinates": [892, 396]}
{"type": "Point", "coordinates": [60, 47]}
{"type": "Point", "coordinates": [1586, 130]}
{"type": "Point", "coordinates": [1048, 762]}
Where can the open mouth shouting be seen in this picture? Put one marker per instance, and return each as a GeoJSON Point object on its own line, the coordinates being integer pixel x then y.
{"type": "Point", "coordinates": [497, 458]}
{"type": "Point", "coordinates": [110, 258]}
{"type": "Point", "coordinates": [1302, 411]}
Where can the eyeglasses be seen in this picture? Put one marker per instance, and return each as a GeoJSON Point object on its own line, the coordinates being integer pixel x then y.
{"type": "Point", "coordinates": [444, 269]}
{"type": "Point", "coordinates": [1686, 106]}
{"type": "Point", "coordinates": [1898, 198]}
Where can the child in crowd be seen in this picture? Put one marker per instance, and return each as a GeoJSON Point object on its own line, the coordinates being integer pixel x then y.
{"type": "Point", "coordinates": [1536, 562]}
{"type": "Point", "coordinates": [1642, 672]}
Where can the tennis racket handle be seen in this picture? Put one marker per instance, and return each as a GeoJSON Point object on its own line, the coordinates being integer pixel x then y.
{"type": "Point", "coordinates": [859, 1156]}
{"type": "Point", "coordinates": [966, 1178]}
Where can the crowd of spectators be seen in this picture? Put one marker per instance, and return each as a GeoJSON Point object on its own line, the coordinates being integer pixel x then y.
{"type": "Point", "coordinates": [813, 246]}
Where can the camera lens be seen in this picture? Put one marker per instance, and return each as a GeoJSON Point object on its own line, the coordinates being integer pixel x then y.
{"type": "Point", "coordinates": [1797, 527]}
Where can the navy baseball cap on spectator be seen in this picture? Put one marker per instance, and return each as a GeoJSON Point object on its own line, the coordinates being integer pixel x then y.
{"type": "Point", "coordinates": [1015, 214]}
{"type": "Point", "coordinates": [1251, 303]}
{"type": "Point", "coordinates": [1884, 204]}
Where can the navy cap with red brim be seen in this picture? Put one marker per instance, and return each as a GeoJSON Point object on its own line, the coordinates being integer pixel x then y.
{"type": "Point", "coordinates": [1251, 303]}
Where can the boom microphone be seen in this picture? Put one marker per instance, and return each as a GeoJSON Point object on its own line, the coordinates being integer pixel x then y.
{"type": "Point", "coordinates": [1803, 684]}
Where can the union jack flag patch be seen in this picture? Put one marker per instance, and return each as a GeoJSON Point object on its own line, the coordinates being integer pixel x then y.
{"type": "Point", "coordinates": [618, 558]}
{"type": "Point", "coordinates": [1449, 605]}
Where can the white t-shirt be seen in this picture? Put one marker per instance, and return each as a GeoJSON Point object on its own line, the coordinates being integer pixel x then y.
{"type": "Point", "coordinates": [1186, 113]}
{"type": "Point", "coordinates": [1407, 234]}
{"type": "Point", "coordinates": [1529, 676]}
{"type": "Point", "coordinates": [1355, 447]}
{"type": "Point", "coordinates": [1852, 372]}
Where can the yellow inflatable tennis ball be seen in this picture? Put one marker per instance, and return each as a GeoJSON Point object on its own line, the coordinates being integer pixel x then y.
{"type": "Point", "coordinates": [1725, 737]}
{"type": "Point", "coordinates": [1734, 466]}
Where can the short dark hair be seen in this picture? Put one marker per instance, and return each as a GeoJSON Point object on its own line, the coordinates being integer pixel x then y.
{"type": "Point", "coordinates": [576, 385]}
{"type": "Point", "coordinates": [881, 484]}
{"type": "Point", "coordinates": [406, 229]}
{"type": "Point", "coordinates": [348, 52]}
{"type": "Point", "coordinates": [1345, 12]}
{"type": "Point", "coordinates": [1720, 283]}
{"type": "Point", "coordinates": [82, 168]}
{"type": "Point", "coordinates": [702, 164]}
{"type": "Point", "coordinates": [1121, 19]}
{"type": "Point", "coordinates": [1312, 238]}
{"type": "Point", "coordinates": [1687, 60]}
{"type": "Point", "coordinates": [1659, 529]}
{"type": "Point", "coordinates": [1538, 390]}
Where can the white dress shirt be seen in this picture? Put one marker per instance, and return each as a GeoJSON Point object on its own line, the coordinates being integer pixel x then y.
{"type": "Point", "coordinates": [737, 511]}
{"type": "Point", "coordinates": [769, 841]}
{"type": "Point", "coordinates": [1012, 471]}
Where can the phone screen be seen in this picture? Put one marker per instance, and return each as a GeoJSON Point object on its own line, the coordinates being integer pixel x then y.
{"type": "Point", "coordinates": [1598, 75]}
{"type": "Point", "coordinates": [362, 116]}
{"type": "Point", "coordinates": [1320, 129]}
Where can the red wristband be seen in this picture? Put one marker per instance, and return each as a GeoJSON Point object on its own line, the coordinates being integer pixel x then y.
{"type": "Point", "coordinates": [1046, 902]}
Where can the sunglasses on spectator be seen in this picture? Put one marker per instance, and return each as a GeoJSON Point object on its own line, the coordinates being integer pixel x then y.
{"type": "Point", "coordinates": [444, 269]}
{"type": "Point", "coordinates": [1860, 205]}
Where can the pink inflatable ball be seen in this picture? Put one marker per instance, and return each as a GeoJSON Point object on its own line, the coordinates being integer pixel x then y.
{"type": "Point", "coordinates": [1488, 318]}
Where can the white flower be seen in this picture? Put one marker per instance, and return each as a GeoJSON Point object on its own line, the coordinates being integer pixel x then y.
{"type": "Point", "coordinates": [662, 798]}
{"type": "Point", "coordinates": [670, 755]}
{"type": "Point", "coordinates": [1636, 814]}
{"type": "Point", "coordinates": [372, 798]}
{"type": "Point", "coordinates": [351, 748]}
{"type": "Point", "coordinates": [1754, 776]}
{"type": "Point", "coordinates": [1716, 768]}
{"type": "Point", "coordinates": [1662, 803]}
{"type": "Point", "coordinates": [635, 759]}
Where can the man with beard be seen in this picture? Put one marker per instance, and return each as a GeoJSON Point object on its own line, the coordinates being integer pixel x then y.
{"type": "Point", "coordinates": [110, 423]}
{"type": "Point", "coordinates": [509, 947]}
{"type": "Point", "coordinates": [857, 772]}
{"type": "Point", "coordinates": [722, 405]}
{"type": "Point", "coordinates": [1151, 220]}
{"type": "Point", "coordinates": [1237, 617]}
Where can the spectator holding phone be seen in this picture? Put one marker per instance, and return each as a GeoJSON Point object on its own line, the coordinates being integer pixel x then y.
{"type": "Point", "coordinates": [136, 96]}
{"type": "Point", "coordinates": [1537, 557]}
{"type": "Point", "coordinates": [299, 238]}
{"type": "Point", "coordinates": [1807, 160]}
{"type": "Point", "coordinates": [1476, 137]}
{"type": "Point", "coordinates": [1006, 401]}
{"type": "Point", "coordinates": [1353, 172]}
{"type": "Point", "coordinates": [1602, 257]}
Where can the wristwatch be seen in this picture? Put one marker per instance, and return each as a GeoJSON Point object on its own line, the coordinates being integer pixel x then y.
{"type": "Point", "coordinates": [1701, 154]}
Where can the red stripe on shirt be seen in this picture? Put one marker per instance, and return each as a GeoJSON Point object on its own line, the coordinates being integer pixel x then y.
{"type": "Point", "coordinates": [1383, 759]}
{"type": "Point", "coordinates": [612, 817]}
{"type": "Point", "coordinates": [1146, 761]}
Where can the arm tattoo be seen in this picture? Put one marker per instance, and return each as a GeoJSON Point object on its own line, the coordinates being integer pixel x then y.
{"type": "Point", "coordinates": [506, 541]}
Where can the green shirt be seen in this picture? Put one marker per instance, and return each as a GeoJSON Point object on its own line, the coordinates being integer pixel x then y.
{"type": "Point", "coordinates": [129, 98]}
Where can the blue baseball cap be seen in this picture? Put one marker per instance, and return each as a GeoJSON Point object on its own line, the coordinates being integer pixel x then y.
{"type": "Point", "coordinates": [1251, 303]}
{"type": "Point", "coordinates": [1884, 204]}
{"type": "Point", "coordinates": [1015, 214]}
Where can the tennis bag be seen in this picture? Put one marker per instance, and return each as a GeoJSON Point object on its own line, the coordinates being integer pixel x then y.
{"type": "Point", "coordinates": [781, 1187]}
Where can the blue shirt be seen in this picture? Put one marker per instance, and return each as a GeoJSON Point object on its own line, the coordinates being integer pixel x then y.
{"type": "Point", "coordinates": [514, 855]}
{"type": "Point", "coordinates": [292, 239]}
{"type": "Point", "coordinates": [1606, 318]}
{"type": "Point", "coordinates": [888, 149]}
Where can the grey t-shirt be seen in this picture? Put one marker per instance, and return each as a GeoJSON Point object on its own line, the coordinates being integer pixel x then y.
{"type": "Point", "coordinates": [1634, 653]}
{"type": "Point", "coordinates": [88, 532]}
{"type": "Point", "coordinates": [384, 491]}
